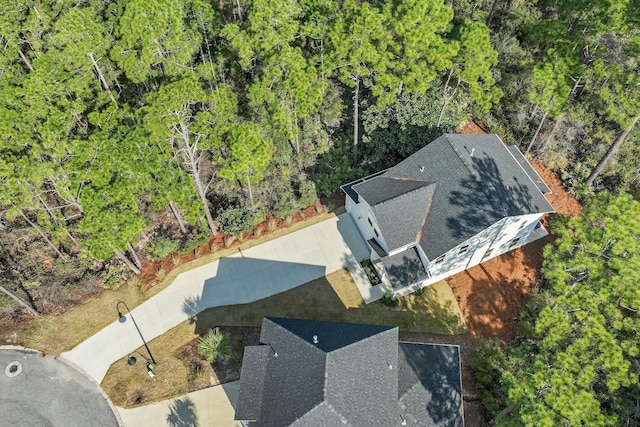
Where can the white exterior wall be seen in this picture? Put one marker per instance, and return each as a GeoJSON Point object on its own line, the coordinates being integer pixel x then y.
{"type": "Point", "coordinates": [361, 212]}
{"type": "Point", "coordinates": [498, 237]}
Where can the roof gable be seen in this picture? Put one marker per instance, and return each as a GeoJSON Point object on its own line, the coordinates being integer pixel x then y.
{"type": "Point", "coordinates": [412, 207]}
{"type": "Point", "coordinates": [381, 189]}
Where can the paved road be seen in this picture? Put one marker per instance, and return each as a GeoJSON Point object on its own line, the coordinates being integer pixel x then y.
{"type": "Point", "coordinates": [264, 270]}
{"type": "Point", "coordinates": [42, 391]}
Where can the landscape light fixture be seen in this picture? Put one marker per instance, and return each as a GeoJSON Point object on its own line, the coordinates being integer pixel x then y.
{"type": "Point", "coordinates": [122, 318]}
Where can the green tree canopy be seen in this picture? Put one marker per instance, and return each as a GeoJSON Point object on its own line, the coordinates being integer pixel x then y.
{"type": "Point", "coordinates": [577, 363]}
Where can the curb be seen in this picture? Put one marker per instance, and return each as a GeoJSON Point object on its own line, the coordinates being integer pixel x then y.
{"type": "Point", "coordinates": [75, 367]}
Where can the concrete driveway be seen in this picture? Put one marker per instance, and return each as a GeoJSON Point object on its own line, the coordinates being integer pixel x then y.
{"type": "Point", "coordinates": [264, 270]}
{"type": "Point", "coordinates": [213, 406]}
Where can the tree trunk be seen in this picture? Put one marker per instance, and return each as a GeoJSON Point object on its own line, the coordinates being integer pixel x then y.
{"type": "Point", "coordinates": [355, 121]}
{"type": "Point", "coordinates": [610, 153]}
{"type": "Point", "coordinates": [447, 98]}
{"type": "Point", "coordinates": [19, 301]}
{"type": "Point", "coordinates": [192, 159]}
{"type": "Point", "coordinates": [544, 145]}
{"type": "Point", "coordinates": [101, 77]}
{"type": "Point", "coordinates": [128, 263]}
{"type": "Point", "coordinates": [493, 9]}
{"type": "Point", "coordinates": [509, 409]}
{"type": "Point", "coordinates": [134, 255]}
{"type": "Point", "coordinates": [25, 60]}
{"type": "Point", "coordinates": [176, 214]}
{"type": "Point", "coordinates": [44, 236]}
{"type": "Point", "coordinates": [535, 135]}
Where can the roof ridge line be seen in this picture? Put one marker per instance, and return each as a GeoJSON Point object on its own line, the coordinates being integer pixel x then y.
{"type": "Point", "coordinates": [466, 164]}
{"type": "Point", "coordinates": [406, 193]}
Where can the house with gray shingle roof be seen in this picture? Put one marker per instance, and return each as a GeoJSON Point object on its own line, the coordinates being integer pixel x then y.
{"type": "Point", "coordinates": [314, 373]}
{"type": "Point", "coordinates": [457, 202]}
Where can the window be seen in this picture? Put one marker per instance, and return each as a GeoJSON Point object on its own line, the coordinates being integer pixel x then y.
{"type": "Point", "coordinates": [464, 249]}
{"type": "Point", "coordinates": [522, 225]}
{"type": "Point", "coordinates": [376, 231]}
{"type": "Point", "coordinates": [488, 253]}
{"type": "Point", "coordinates": [514, 242]}
{"type": "Point", "coordinates": [439, 259]}
{"type": "Point", "coordinates": [370, 223]}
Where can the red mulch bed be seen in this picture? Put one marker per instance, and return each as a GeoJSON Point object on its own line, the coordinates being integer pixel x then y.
{"type": "Point", "coordinates": [220, 240]}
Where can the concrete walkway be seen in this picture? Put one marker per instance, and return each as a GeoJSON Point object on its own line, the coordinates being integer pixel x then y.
{"type": "Point", "coordinates": [264, 270]}
{"type": "Point", "coordinates": [212, 406]}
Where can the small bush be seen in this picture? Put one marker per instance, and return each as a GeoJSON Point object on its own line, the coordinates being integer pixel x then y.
{"type": "Point", "coordinates": [258, 232]}
{"type": "Point", "coordinates": [161, 274]}
{"type": "Point", "coordinates": [214, 344]}
{"type": "Point", "coordinates": [308, 195]}
{"type": "Point", "coordinates": [162, 246]}
{"type": "Point", "coordinates": [177, 260]}
{"type": "Point", "coordinates": [389, 300]}
{"type": "Point", "coordinates": [229, 240]}
{"type": "Point", "coordinates": [272, 224]}
{"type": "Point", "coordinates": [235, 219]}
{"type": "Point", "coordinates": [288, 220]}
{"type": "Point", "coordinates": [419, 292]}
{"type": "Point", "coordinates": [196, 241]}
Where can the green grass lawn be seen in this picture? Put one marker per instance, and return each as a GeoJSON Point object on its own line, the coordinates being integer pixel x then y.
{"type": "Point", "coordinates": [336, 298]}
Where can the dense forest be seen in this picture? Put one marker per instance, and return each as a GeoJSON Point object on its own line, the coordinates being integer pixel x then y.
{"type": "Point", "coordinates": [131, 129]}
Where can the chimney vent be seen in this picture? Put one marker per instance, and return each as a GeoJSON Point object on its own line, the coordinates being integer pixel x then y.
{"type": "Point", "coordinates": [315, 339]}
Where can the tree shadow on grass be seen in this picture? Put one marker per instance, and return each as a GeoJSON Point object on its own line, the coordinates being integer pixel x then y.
{"type": "Point", "coordinates": [182, 413]}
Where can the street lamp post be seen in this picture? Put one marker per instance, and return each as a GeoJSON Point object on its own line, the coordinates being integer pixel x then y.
{"type": "Point", "coordinates": [123, 319]}
{"type": "Point", "coordinates": [148, 363]}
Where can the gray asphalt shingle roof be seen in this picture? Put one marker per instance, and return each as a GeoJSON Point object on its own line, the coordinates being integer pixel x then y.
{"type": "Point", "coordinates": [355, 375]}
{"type": "Point", "coordinates": [477, 182]}
{"type": "Point", "coordinates": [404, 268]}
{"type": "Point", "coordinates": [335, 376]}
{"type": "Point", "coordinates": [429, 385]}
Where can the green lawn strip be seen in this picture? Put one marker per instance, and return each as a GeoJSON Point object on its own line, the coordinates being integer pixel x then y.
{"type": "Point", "coordinates": [332, 298]}
{"type": "Point", "coordinates": [54, 334]}
{"type": "Point", "coordinates": [336, 298]}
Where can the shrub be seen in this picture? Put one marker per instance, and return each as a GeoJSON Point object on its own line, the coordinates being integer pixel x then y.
{"type": "Point", "coordinates": [389, 300]}
{"type": "Point", "coordinates": [162, 246]}
{"type": "Point", "coordinates": [272, 224]}
{"type": "Point", "coordinates": [161, 274]}
{"type": "Point", "coordinates": [196, 241]}
{"type": "Point", "coordinates": [229, 240]}
{"type": "Point", "coordinates": [419, 292]}
{"type": "Point", "coordinates": [213, 345]}
{"type": "Point", "coordinates": [308, 194]}
{"type": "Point", "coordinates": [176, 260]}
{"type": "Point", "coordinates": [234, 219]}
{"type": "Point", "coordinates": [488, 361]}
